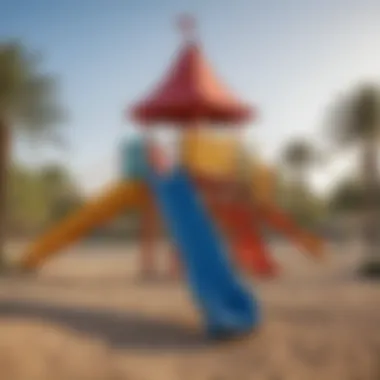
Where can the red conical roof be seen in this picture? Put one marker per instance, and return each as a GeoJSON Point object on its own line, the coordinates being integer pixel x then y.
{"type": "Point", "coordinates": [191, 92]}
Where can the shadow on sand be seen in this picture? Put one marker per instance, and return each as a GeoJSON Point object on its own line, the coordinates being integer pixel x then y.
{"type": "Point", "coordinates": [92, 283]}
{"type": "Point", "coordinates": [119, 330]}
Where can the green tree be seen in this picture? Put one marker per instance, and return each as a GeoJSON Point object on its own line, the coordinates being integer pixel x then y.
{"type": "Point", "coordinates": [354, 120]}
{"type": "Point", "coordinates": [38, 198]}
{"type": "Point", "coordinates": [60, 193]}
{"type": "Point", "coordinates": [346, 197]}
{"type": "Point", "coordinates": [297, 158]}
{"type": "Point", "coordinates": [26, 205]}
{"type": "Point", "coordinates": [28, 105]}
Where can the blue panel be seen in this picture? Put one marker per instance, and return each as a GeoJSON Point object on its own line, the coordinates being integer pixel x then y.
{"type": "Point", "coordinates": [228, 307]}
{"type": "Point", "coordinates": [133, 159]}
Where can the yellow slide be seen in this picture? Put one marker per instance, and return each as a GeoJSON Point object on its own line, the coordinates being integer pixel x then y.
{"type": "Point", "coordinates": [95, 213]}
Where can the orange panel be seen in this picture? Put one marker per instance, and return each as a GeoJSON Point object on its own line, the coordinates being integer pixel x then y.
{"type": "Point", "coordinates": [262, 182]}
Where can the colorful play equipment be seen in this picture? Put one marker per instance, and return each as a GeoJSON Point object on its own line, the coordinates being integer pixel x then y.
{"type": "Point", "coordinates": [212, 199]}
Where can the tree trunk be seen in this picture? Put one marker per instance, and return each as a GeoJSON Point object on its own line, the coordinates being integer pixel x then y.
{"type": "Point", "coordinates": [4, 156]}
{"type": "Point", "coordinates": [371, 204]}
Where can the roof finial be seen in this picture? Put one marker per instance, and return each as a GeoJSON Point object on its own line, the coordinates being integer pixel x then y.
{"type": "Point", "coordinates": [187, 26]}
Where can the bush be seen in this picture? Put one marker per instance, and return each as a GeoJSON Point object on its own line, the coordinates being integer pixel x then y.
{"type": "Point", "coordinates": [371, 269]}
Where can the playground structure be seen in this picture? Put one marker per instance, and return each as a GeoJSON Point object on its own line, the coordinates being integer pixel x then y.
{"type": "Point", "coordinates": [203, 197]}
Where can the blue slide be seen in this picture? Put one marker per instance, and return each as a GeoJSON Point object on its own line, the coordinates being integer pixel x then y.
{"type": "Point", "coordinates": [227, 305]}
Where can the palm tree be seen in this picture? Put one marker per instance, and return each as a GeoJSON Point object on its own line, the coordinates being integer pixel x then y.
{"type": "Point", "coordinates": [298, 157]}
{"type": "Point", "coordinates": [355, 121]}
{"type": "Point", "coordinates": [28, 106]}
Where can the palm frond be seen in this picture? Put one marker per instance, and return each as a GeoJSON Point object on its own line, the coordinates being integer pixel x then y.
{"type": "Point", "coordinates": [355, 116]}
{"type": "Point", "coordinates": [28, 96]}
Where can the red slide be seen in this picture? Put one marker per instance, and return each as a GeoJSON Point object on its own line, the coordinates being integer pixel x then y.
{"type": "Point", "coordinates": [243, 231]}
{"type": "Point", "coordinates": [277, 219]}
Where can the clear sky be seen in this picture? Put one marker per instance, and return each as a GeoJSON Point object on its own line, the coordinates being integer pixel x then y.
{"type": "Point", "coordinates": [288, 57]}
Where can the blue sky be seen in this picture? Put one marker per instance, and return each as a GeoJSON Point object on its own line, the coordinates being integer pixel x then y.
{"type": "Point", "coordinates": [290, 58]}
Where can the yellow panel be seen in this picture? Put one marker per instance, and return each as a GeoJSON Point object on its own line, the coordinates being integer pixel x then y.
{"type": "Point", "coordinates": [208, 154]}
{"type": "Point", "coordinates": [95, 213]}
{"type": "Point", "coordinates": [220, 156]}
{"type": "Point", "coordinates": [263, 182]}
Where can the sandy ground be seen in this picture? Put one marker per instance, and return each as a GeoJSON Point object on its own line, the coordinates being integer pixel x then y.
{"type": "Point", "coordinates": [86, 316]}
